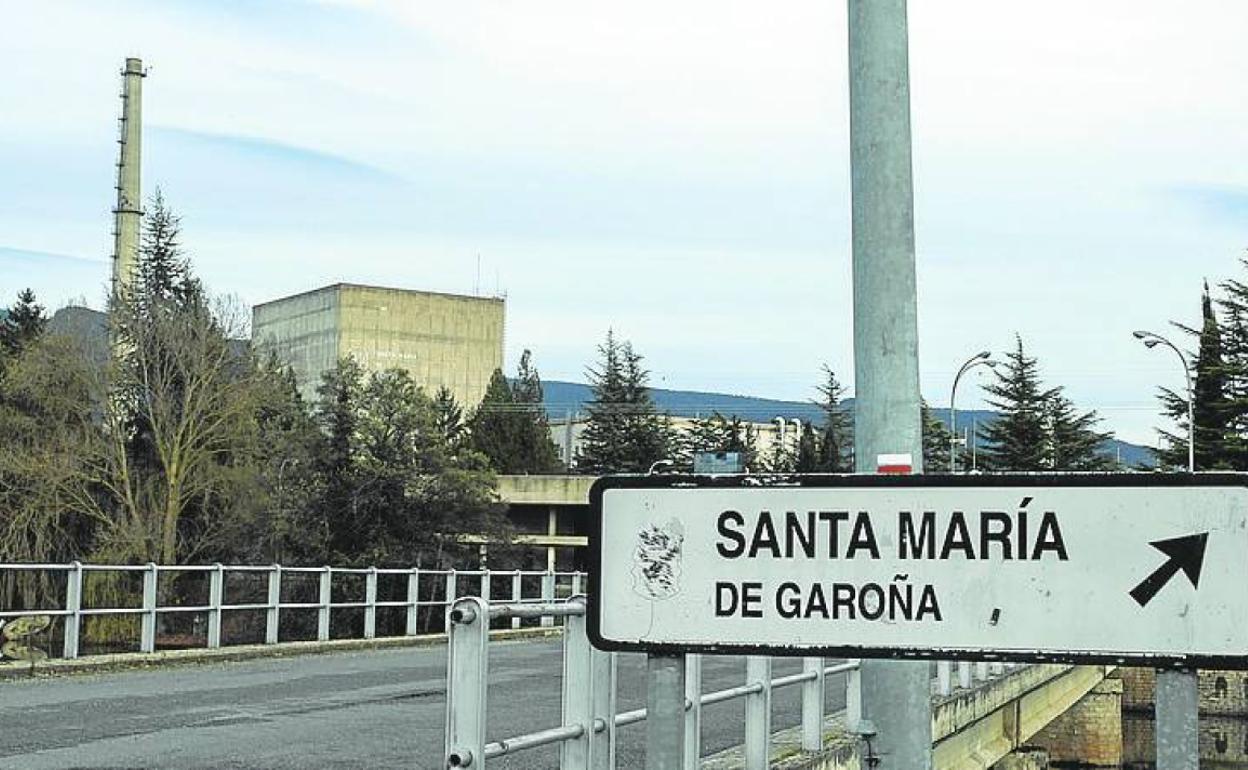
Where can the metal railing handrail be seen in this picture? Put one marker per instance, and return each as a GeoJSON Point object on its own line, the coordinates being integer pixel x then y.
{"type": "Point", "coordinates": [74, 610]}
{"type": "Point", "coordinates": [587, 733]}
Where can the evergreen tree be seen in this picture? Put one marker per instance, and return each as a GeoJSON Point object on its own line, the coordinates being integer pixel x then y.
{"type": "Point", "coordinates": [1017, 439]}
{"type": "Point", "coordinates": [536, 446]}
{"type": "Point", "coordinates": [510, 427]}
{"type": "Point", "coordinates": [1214, 409]}
{"type": "Point", "coordinates": [625, 433]}
{"type": "Point", "coordinates": [742, 439]}
{"type": "Point", "coordinates": [1234, 410]}
{"type": "Point", "coordinates": [836, 441]}
{"type": "Point", "coordinates": [394, 490]}
{"type": "Point", "coordinates": [164, 274]}
{"type": "Point", "coordinates": [1037, 429]}
{"type": "Point", "coordinates": [23, 324]}
{"type": "Point", "coordinates": [807, 458]}
{"type": "Point", "coordinates": [450, 416]}
{"type": "Point", "coordinates": [494, 429]}
{"type": "Point", "coordinates": [1074, 444]}
{"type": "Point", "coordinates": [1216, 445]}
{"type": "Point", "coordinates": [705, 435]}
{"type": "Point", "coordinates": [936, 441]}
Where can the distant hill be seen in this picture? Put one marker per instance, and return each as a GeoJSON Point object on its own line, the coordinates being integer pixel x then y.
{"type": "Point", "coordinates": [562, 398]}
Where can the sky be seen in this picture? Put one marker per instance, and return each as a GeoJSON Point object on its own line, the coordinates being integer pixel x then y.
{"type": "Point", "coordinates": [676, 172]}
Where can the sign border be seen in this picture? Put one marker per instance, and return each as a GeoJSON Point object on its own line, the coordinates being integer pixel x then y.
{"type": "Point", "coordinates": [833, 481]}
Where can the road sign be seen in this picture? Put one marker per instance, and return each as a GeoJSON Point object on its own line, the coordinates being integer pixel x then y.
{"type": "Point", "coordinates": [1109, 568]}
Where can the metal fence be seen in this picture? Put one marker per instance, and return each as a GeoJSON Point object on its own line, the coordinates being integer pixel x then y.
{"type": "Point", "coordinates": [587, 733]}
{"type": "Point", "coordinates": [441, 587]}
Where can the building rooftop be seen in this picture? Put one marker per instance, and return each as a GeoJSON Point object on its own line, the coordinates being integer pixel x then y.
{"type": "Point", "coordinates": [345, 285]}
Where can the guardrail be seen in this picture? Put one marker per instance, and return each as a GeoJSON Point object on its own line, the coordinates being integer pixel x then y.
{"type": "Point", "coordinates": [216, 607]}
{"type": "Point", "coordinates": [587, 733]}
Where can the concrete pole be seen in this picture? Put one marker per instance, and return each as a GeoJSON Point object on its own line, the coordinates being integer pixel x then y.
{"type": "Point", "coordinates": [665, 712]}
{"type": "Point", "coordinates": [896, 696]}
{"type": "Point", "coordinates": [129, 209]}
{"type": "Point", "coordinates": [1177, 709]}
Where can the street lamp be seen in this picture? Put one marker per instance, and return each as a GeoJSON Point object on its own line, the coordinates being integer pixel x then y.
{"type": "Point", "coordinates": [979, 359]}
{"type": "Point", "coordinates": [1152, 340]}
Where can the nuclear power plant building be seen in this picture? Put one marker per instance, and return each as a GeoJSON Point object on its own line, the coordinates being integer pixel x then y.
{"type": "Point", "coordinates": [440, 339]}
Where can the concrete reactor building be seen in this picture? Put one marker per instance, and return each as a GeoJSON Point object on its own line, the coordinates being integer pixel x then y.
{"type": "Point", "coordinates": [440, 339]}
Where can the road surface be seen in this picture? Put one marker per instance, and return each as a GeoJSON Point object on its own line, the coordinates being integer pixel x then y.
{"type": "Point", "coordinates": [381, 709]}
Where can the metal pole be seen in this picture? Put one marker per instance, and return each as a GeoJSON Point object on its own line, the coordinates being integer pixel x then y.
{"type": "Point", "coordinates": [147, 631]}
{"type": "Point", "coordinates": [1177, 706]}
{"type": "Point", "coordinates": [665, 711]}
{"type": "Point", "coordinates": [693, 720]}
{"type": "Point", "coordinates": [1177, 709]}
{"type": "Point", "coordinates": [970, 363]}
{"type": "Point", "coordinates": [896, 696]}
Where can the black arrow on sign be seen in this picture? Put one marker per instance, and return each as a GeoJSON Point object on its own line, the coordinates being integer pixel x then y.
{"type": "Point", "coordinates": [1186, 553]}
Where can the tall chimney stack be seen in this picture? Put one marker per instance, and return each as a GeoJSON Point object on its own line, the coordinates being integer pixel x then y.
{"type": "Point", "coordinates": [129, 209]}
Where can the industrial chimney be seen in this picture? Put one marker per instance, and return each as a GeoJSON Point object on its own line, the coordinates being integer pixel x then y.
{"type": "Point", "coordinates": [129, 209]}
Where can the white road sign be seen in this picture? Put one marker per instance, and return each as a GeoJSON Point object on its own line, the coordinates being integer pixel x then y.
{"type": "Point", "coordinates": [1077, 568]}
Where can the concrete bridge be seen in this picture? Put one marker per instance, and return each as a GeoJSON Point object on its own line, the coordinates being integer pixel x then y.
{"type": "Point", "coordinates": [384, 708]}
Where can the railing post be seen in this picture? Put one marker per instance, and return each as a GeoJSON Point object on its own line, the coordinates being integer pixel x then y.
{"type": "Point", "coordinates": [576, 584]}
{"type": "Point", "coordinates": [413, 601]}
{"type": "Point", "coordinates": [758, 713]}
{"type": "Point", "coordinates": [579, 698]}
{"type": "Point", "coordinates": [964, 674]}
{"type": "Point", "coordinates": [216, 595]}
{"type": "Point", "coordinates": [515, 595]}
{"type": "Point", "coordinates": [73, 606]}
{"type": "Point", "coordinates": [693, 717]}
{"type": "Point", "coordinates": [272, 617]}
{"type": "Point", "coordinates": [370, 604]}
{"type": "Point", "coordinates": [466, 677]}
{"type": "Point", "coordinates": [812, 705]}
{"type": "Point", "coordinates": [147, 626]}
{"type": "Point", "coordinates": [604, 673]}
{"type": "Point", "coordinates": [853, 699]}
{"type": "Point", "coordinates": [548, 596]}
{"type": "Point", "coordinates": [944, 677]}
{"type": "Point", "coordinates": [665, 709]}
{"type": "Point", "coordinates": [322, 613]}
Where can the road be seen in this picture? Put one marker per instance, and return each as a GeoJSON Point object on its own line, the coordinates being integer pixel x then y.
{"type": "Point", "coordinates": [380, 709]}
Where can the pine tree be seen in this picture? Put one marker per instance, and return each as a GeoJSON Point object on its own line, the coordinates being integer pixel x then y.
{"type": "Point", "coordinates": [1074, 444]}
{"type": "Point", "coordinates": [537, 447]}
{"type": "Point", "coordinates": [705, 435]}
{"type": "Point", "coordinates": [807, 458]}
{"type": "Point", "coordinates": [450, 416]}
{"type": "Point", "coordinates": [836, 442]}
{"type": "Point", "coordinates": [493, 427]}
{"type": "Point", "coordinates": [510, 427]}
{"type": "Point", "coordinates": [23, 324]}
{"type": "Point", "coordinates": [1016, 440]}
{"type": "Point", "coordinates": [1216, 446]}
{"type": "Point", "coordinates": [936, 441]}
{"type": "Point", "coordinates": [743, 440]}
{"type": "Point", "coordinates": [625, 433]}
{"type": "Point", "coordinates": [1234, 411]}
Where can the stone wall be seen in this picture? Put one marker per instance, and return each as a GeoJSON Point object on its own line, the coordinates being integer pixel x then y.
{"type": "Point", "coordinates": [1090, 733]}
{"type": "Point", "coordinates": [1223, 716]}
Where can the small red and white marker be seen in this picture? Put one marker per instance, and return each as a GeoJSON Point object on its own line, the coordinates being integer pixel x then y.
{"type": "Point", "coordinates": [902, 463]}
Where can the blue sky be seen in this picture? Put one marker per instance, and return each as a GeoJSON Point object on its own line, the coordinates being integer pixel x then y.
{"type": "Point", "coordinates": [678, 172]}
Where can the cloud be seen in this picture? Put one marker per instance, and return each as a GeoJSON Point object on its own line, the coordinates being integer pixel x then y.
{"type": "Point", "coordinates": [285, 157]}
{"type": "Point", "coordinates": [51, 275]}
{"type": "Point", "coordinates": [1223, 203]}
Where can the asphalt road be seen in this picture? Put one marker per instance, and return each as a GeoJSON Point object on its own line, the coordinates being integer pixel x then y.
{"type": "Point", "coordinates": [345, 710]}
